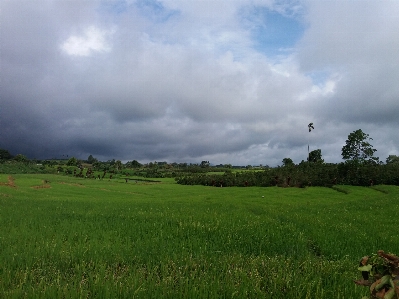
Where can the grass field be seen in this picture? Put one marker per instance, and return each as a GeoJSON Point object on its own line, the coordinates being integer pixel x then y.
{"type": "Point", "coordinates": [65, 237]}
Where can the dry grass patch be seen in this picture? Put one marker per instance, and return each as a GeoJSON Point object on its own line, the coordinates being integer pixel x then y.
{"type": "Point", "coordinates": [10, 182]}
{"type": "Point", "coordinates": [44, 185]}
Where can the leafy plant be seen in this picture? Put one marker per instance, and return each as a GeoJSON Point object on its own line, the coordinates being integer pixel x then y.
{"type": "Point", "coordinates": [381, 273]}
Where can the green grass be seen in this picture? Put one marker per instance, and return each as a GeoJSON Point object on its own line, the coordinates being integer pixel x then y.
{"type": "Point", "coordinates": [77, 238]}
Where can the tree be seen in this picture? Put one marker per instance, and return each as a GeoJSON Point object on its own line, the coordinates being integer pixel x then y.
{"type": "Point", "coordinates": [287, 162]}
{"type": "Point", "coordinates": [20, 158]}
{"type": "Point", "coordinates": [358, 149]}
{"type": "Point", "coordinates": [310, 127]}
{"type": "Point", "coordinates": [118, 165]}
{"type": "Point", "coordinates": [392, 159]}
{"type": "Point", "coordinates": [91, 160]}
{"type": "Point", "coordinates": [315, 156]}
{"type": "Point", "coordinates": [133, 164]}
{"type": "Point", "coordinates": [73, 162]}
{"type": "Point", "coordinates": [204, 164]}
{"type": "Point", "coordinates": [5, 154]}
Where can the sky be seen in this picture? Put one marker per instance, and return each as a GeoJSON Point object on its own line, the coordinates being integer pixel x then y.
{"type": "Point", "coordinates": [225, 81]}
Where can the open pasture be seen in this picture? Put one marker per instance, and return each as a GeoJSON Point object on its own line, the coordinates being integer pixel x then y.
{"type": "Point", "coordinates": [65, 237]}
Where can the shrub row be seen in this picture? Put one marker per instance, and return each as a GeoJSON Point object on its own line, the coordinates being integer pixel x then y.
{"type": "Point", "coordinates": [305, 174]}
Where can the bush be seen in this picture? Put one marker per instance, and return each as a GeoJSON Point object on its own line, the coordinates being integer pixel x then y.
{"type": "Point", "coordinates": [304, 174]}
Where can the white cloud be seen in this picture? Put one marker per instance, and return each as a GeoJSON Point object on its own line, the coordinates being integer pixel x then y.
{"type": "Point", "coordinates": [93, 40]}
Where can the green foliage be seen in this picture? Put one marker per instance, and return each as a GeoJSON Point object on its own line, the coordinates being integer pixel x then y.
{"type": "Point", "coordinates": [5, 154]}
{"type": "Point", "coordinates": [357, 148]}
{"type": "Point", "coordinates": [73, 162]}
{"type": "Point", "coordinates": [118, 165]}
{"type": "Point", "coordinates": [304, 174]}
{"type": "Point", "coordinates": [315, 156]}
{"type": "Point", "coordinates": [288, 162]}
{"type": "Point", "coordinates": [392, 159]}
{"type": "Point", "coordinates": [381, 273]}
{"type": "Point", "coordinates": [21, 158]}
{"type": "Point", "coordinates": [91, 160]}
{"type": "Point", "coordinates": [204, 164]}
{"type": "Point", "coordinates": [14, 167]}
{"type": "Point", "coordinates": [133, 164]}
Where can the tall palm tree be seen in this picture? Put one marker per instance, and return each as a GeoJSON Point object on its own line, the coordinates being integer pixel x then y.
{"type": "Point", "coordinates": [310, 127]}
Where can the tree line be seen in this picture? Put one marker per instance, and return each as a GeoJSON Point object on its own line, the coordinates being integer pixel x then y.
{"type": "Point", "coordinates": [302, 175]}
{"type": "Point", "coordinates": [361, 168]}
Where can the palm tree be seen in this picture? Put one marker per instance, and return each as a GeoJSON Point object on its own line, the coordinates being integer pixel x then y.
{"type": "Point", "coordinates": [310, 127]}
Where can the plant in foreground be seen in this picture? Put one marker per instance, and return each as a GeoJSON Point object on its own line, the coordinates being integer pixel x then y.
{"type": "Point", "coordinates": [381, 273]}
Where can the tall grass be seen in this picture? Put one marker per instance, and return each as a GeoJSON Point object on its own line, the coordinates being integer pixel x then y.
{"type": "Point", "coordinates": [64, 237]}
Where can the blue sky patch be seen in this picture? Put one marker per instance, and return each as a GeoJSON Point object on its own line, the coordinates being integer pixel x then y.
{"type": "Point", "coordinates": [155, 11]}
{"type": "Point", "coordinates": [319, 78]}
{"type": "Point", "coordinates": [151, 9]}
{"type": "Point", "coordinates": [115, 7]}
{"type": "Point", "coordinates": [274, 33]}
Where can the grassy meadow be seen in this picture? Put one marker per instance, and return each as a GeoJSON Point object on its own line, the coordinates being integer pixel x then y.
{"type": "Point", "coordinates": [67, 237]}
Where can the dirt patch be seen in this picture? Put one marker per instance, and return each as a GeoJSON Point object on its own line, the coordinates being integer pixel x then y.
{"type": "Point", "coordinates": [45, 185]}
{"type": "Point", "coordinates": [76, 185]}
{"type": "Point", "coordinates": [10, 182]}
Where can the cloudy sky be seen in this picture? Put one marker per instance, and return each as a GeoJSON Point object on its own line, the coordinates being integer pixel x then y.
{"type": "Point", "coordinates": [229, 81]}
